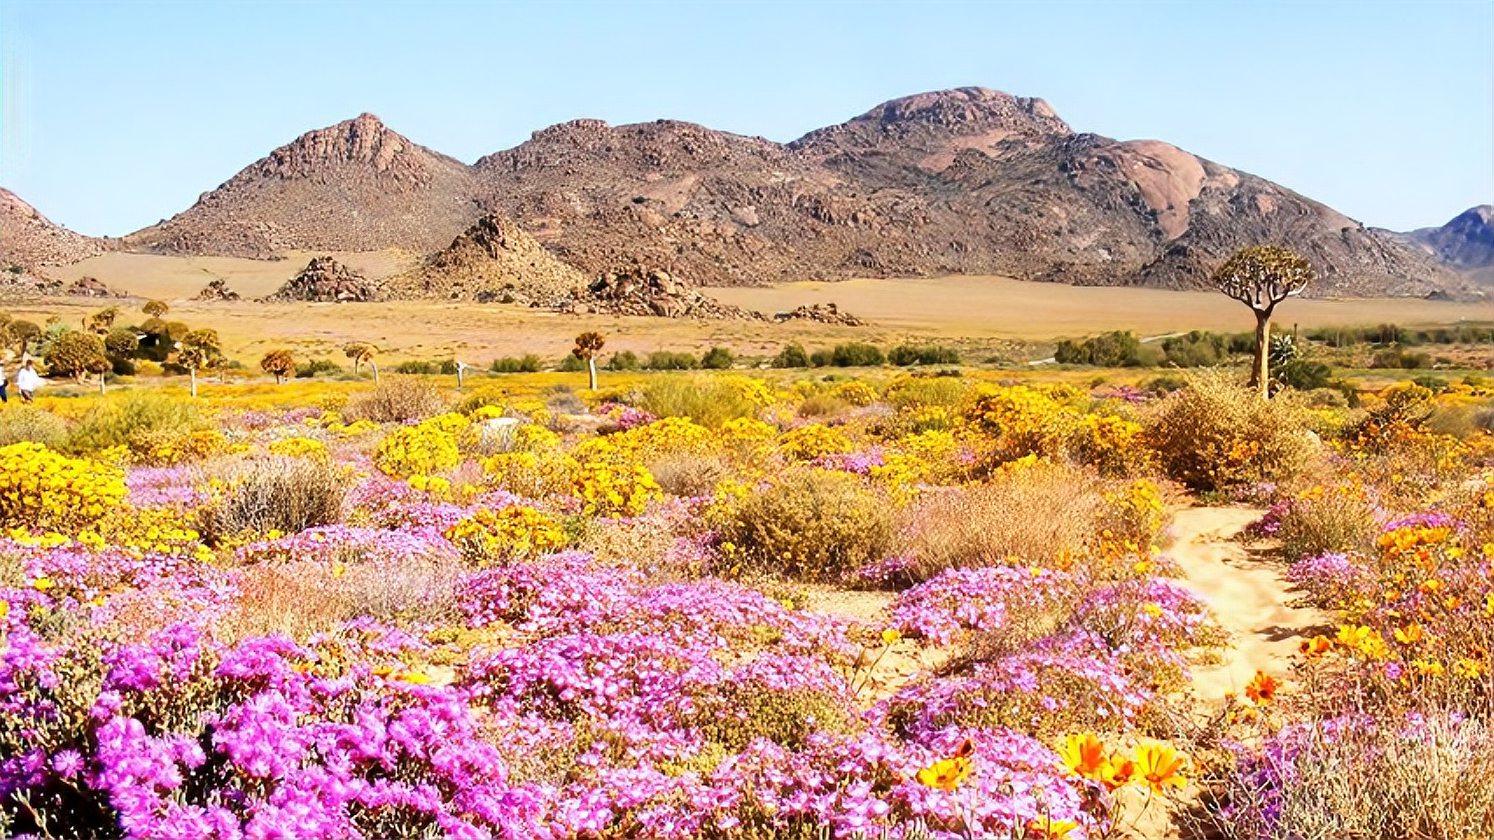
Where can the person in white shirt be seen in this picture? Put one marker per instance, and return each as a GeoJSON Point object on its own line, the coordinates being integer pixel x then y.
{"type": "Point", "coordinates": [4, 397]}
{"type": "Point", "coordinates": [28, 380]}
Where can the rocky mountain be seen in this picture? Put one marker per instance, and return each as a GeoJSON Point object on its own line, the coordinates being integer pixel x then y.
{"type": "Point", "coordinates": [492, 260]}
{"type": "Point", "coordinates": [1465, 243]}
{"type": "Point", "coordinates": [30, 241]}
{"type": "Point", "coordinates": [354, 186]}
{"type": "Point", "coordinates": [325, 280]}
{"type": "Point", "coordinates": [963, 181]}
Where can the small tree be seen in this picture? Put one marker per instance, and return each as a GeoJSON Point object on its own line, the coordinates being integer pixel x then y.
{"type": "Point", "coordinates": [199, 350]}
{"type": "Point", "coordinates": [588, 344]}
{"type": "Point", "coordinates": [103, 320]}
{"type": "Point", "coordinates": [279, 364]}
{"type": "Point", "coordinates": [1261, 277]}
{"type": "Point", "coordinates": [77, 354]}
{"type": "Point", "coordinates": [121, 345]}
{"type": "Point", "coordinates": [361, 352]}
{"type": "Point", "coordinates": [23, 333]}
{"type": "Point", "coordinates": [155, 308]}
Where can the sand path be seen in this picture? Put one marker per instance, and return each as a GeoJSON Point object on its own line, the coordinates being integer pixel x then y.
{"type": "Point", "coordinates": [1248, 593]}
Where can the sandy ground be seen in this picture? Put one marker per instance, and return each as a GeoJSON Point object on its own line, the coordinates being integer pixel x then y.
{"type": "Point", "coordinates": [1248, 594]}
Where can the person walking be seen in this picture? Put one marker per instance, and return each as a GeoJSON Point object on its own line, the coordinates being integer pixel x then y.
{"type": "Point", "coordinates": [28, 380]}
{"type": "Point", "coordinates": [4, 397]}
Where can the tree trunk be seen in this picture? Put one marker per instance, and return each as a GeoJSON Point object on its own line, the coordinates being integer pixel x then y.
{"type": "Point", "coordinates": [1260, 374]}
{"type": "Point", "coordinates": [591, 372]}
{"type": "Point", "coordinates": [375, 367]}
{"type": "Point", "coordinates": [192, 372]}
{"type": "Point", "coordinates": [101, 383]}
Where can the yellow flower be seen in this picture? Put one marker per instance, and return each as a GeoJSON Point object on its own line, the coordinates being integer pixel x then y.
{"type": "Point", "coordinates": [1160, 766]}
{"type": "Point", "coordinates": [891, 636]}
{"type": "Point", "coordinates": [947, 774]}
{"type": "Point", "coordinates": [1083, 755]}
{"type": "Point", "coordinates": [43, 583]}
{"type": "Point", "coordinates": [1047, 828]}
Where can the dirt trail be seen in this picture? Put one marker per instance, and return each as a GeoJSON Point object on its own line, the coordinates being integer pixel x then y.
{"type": "Point", "coordinates": [1249, 595]}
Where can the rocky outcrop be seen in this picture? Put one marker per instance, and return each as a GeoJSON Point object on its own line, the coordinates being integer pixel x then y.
{"type": "Point", "coordinates": [326, 280]}
{"type": "Point", "coordinates": [492, 261]}
{"type": "Point", "coordinates": [648, 292]}
{"type": "Point", "coordinates": [823, 313]}
{"type": "Point", "coordinates": [217, 289]}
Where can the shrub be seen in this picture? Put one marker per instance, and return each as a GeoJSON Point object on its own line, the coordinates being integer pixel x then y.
{"type": "Point", "coordinates": [614, 486]}
{"type": "Point", "coordinates": [1327, 519]}
{"type": "Point", "coordinates": [1113, 349]}
{"type": "Point", "coordinates": [1041, 515]}
{"type": "Point", "coordinates": [397, 399]}
{"type": "Point", "coordinates": [717, 358]}
{"type": "Point", "coordinates": [791, 356]}
{"type": "Point", "coordinates": [312, 367]}
{"type": "Point", "coordinates": [138, 420]}
{"type": "Point", "coordinates": [708, 400]}
{"type": "Point", "coordinates": [856, 354]}
{"type": "Point", "coordinates": [904, 355]}
{"type": "Point", "coordinates": [1216, 434]}
{"type": "Point", "coordinates": [571, 364]}
{"type": "Point", "coordinates": [508, 533]}
{"type": "Point", "coordinates": [811, 524]}
{"type": "Point", "coordinates": [75, 354]}
{"type": "Point", "coordinates": [688, 474]}
{"type": "Point", "coordinates": [667, 360]}
{"type": "Point", "coordinates": [527, 363]}
{"type": "Point", "coordinates": [45, 490]}
{"type": "Point", "coordinates": [1198, 348]}
{"type": "Point", "coordinates": [273, 494]}
{"type": "Point", "coordinates": [532, 474]}
{"type": "Point", "coordinates": [299, 599]}
{"type": "Point", "coordinates": [1303, 375]}
{"type": "Point", "coordinates": [425, 449]}
{"type": "Point", "coordinates": [624, 360]}
{"type": "Point", "coordinates": [29, 423]}
{"type": "Point", "coordinates": [823, 357]}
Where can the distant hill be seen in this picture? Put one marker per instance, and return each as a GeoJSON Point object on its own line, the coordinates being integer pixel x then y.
{"type": "Point", "coordinates": [1465, 243]}
{"type": "Point", "coordinates": [31, 241]}
{"type": "Point", "coordinates": [354, 186]}
{"type": "Point", "coordinates": [963, 181]}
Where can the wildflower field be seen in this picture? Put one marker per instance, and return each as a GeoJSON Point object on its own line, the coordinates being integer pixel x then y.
{"type": "Point", "coordinates": [881, 603]}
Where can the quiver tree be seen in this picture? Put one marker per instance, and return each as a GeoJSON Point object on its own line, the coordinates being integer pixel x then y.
{"type": "Point", "coordinates": [279, 364]}
{"type": "Point", "coordinates": [1261, 277]}
{"type": "Point", "coordinates": [361, 353]}
{"type": "Point", "coordinates": [588, 345]}
{"type": "Point", "coordinates": [103, 320]}
{"type": "Point", "coordinates": [155, 308]}
{"type": "Point", "coordinates": [77, 354]}
{"type": "Point", "coordinates": [199, 350]}
{"type": "Point", "coordinates": [20, 334]}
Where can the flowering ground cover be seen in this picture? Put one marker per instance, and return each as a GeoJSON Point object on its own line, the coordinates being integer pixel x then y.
{"type": "Point", "coordinates": [397, 611]}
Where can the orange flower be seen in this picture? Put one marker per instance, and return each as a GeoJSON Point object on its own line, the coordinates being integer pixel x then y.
{"type": "Point", "coordinates": [947, 774]}
{"type": "Point", "coordinates": [1262, 689]}
{"type": "Point", "coordinates": [1160, 766]}
{"type": "Point", "coordinates": [1047, 828]}
{"type": "Point", "coordinates": [1083, 755]}
{"type": "Point", "coordinates": [1315, 647]}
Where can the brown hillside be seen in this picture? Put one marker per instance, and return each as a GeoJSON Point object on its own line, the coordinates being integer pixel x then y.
{"type": "Point", "coordinates": [31, 241]}
{"type": "Point", "coordinates": [354, 186]}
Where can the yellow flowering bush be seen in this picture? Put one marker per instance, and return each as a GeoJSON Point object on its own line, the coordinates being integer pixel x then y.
{"type": "Point", "coordinates": [533, 474]}
{"type": "Point", "coordinates": [174, 446]}
{"type": "Point", "coordinates": [515, 531]}
{"type": "Point", "coordinates": [430, 447]}
{"type": "Point", "coordinates": [1112, 444]}
{"type": "Point", "coordinates": [299, 447]}
{"type": "Point", "coordinates": [855, 392]}
{"type": "Point", "coordinates": [614, 487]}
{"type": "Point", "coordinates": [811, 441]}
{"type": "Point", "coordinates": [45, 490]}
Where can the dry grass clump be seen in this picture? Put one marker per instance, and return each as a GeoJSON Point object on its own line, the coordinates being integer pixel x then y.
{"type": "Point", "coordinates": [274, 493]}
{"type": "Point", "coordinates": [1040, 515]}
{"type": "Point", "coordinates": [810, 524]}
{"type": "Point", "coordinates": [300, 599]}
{"type": "Point", "coordinates": [1422, 779]}
{"type": "Point", "coordinates": [687, 474]}
{"type": "Point", "coordinates": [1333, 518]}
{"type": "Point", "coordinates": [398, 399]}
{"type": "Point", "coordinates": [22, 423]}
{"type": "Point", "coordinates": [1217, 434]}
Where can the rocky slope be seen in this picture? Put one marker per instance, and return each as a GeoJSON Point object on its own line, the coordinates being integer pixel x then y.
{"type": "Point", "coordinates": [30, 241]}
{"type": "Point", "coordinates": [354, 186]}
{"type": "Point", "coordinates": [1466, 243]}
{"type": "Point", "coordinates": [493, 260]}
{"type": "Point", "coordinates": [964, 181]}
{"type": "Point", "coordinates": [325, 280]}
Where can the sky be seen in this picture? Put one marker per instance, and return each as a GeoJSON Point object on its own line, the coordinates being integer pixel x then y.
{"type": "Point", "coordinates": [114, 115]}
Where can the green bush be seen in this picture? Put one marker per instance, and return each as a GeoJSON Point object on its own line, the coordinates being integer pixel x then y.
{"type": "Point", "coordinates": [811, 524]}
{"type": "Point", "coordinates": [856, 354]}
{"type": "Point", "coordinates": [704, 399]}
{"type": "Point", "coordinates": [717, 358]}
{"type": "Point", "coordinates": [313, 367]}
{"type": "Point", "coordinates": [1112, 349]}
{"type": "Point", "coordinates": [1198, 348]}
{"type": "Point", "coordinates": [571, 363]}
{"type": "Point", "coordinates": [669, 360]}
{"type": "Point", "coordinates": [791, 356]}
{"type": "Point", "coordinates": [904, 355]}
{"type": "Point", "coordinates": [1303, 375]}
{"type": "Point", "coordinates": [624, 360]}
{"type": "Point", "coordinates": [527, 363]}
{"type": "Point", "coordinates": [131, 418]}
{"type": "Point", "coordinates": [822, 357]}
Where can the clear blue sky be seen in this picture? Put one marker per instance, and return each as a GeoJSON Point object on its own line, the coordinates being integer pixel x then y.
{"type": "Point", "coordinates": [118, 114]}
